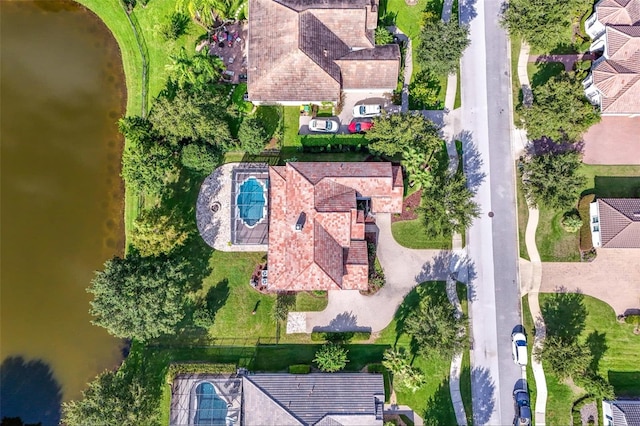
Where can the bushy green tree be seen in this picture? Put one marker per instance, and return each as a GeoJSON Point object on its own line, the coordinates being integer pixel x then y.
{"type": "Point", "coordinates": [571, 221]}
{"type": "Point", "coordinates": [448, 205]}
{"type": "Point", "coordinates": [404, 375]}
{"type": "Point", "coordinates": [560, 110]}
{"type": "Point", "coordinates": [383, 36]}
{"type": "Point", "coordinates": [156, 232]}
{"type": "Point", "coordinates": [112, 399]}
{"type": "Point", "coordinates": [199, 157]}
{"type": "Point", "coordinates": [139, 297]}
{"type": "Point", "coordinates": [331, 357]}
{"type": "Point", "coordinates": [192, 117]}
{"type": "Point", "coordinates": [433, 327]}
{"type": "Point", "coordinates": [136, 129]}
{"type": "Point", "coordinates": [414, 137]}
{"type": "Point", "coordinates": [252, 135]}
{"type": "Point", "coordinates": [542, 23]}
{"type": "Point", "coordinates": [441, 45]}
{"type": "Point", "coordinates": [553, 179]}
{"type": "Point", "coordinates": [147, 166]}
{"type": "Point", "coordinates": [566, 358]}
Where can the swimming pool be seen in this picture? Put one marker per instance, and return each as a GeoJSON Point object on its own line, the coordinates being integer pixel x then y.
{"type": "Point", "coordinates": [212, 410]}
{"type": "Point", "coordinates": [251, 201]}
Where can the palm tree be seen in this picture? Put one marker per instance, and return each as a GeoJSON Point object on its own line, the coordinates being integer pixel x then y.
{"type": "Point", "coordinates": [206, 68]}
{"type": "Point", "coordinates": [206, 12]}
{"type": "Point", "coordinates": [181, 67]}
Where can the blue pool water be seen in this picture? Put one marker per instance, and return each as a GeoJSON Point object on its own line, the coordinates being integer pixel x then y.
{"type": "Point", "coordinates": [211, 409]}
{"type": "Point", "coordinates": [251, 201]}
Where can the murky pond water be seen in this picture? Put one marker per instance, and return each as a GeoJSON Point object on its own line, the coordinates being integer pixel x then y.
{"type": "Point", "coordinates": [62, 91]}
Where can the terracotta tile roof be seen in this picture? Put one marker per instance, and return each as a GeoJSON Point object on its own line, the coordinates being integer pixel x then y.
{"type": "Point", "coordinates": [357, 253]}
{"type": "Point", "coordinates": [619, 83]}
{"type": "Point", "coordinates": [618, 12]}
{"type": "Point", "coordinates": [328, 252]}
{"type": "Point", "coordinates": [619, 222]}
{"type": "Point", "coordinates": [296, 50]}
{"type": "Point", "coordinates": [623, 42]}
{"type": "Point", "coordinates": [397, 177]}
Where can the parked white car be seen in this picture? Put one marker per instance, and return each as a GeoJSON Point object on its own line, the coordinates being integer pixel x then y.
{"type": "Point", "coordinates": [519, 348]}
{"type": "Point", "coordinates": [367, 110]}
{"type": "Point", "coordinates": [324, 125]}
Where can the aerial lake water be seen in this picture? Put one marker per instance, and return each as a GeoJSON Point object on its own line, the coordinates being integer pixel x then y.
{"type": "Point", "coordinates": [62, 91]}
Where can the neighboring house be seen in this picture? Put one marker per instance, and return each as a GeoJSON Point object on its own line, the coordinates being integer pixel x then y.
{"type": "Point", "coordinates": [313, 399]}
{"type": "Point", "coordinates": [621, 413]}
{"type": "Point", "coordinates": [615, 222]}
{"type": "Point", "coordinates": [322, 399]}
{"type": "Point", "coordinates": [317, 222]}
{"type": "Point", "coordinates": [304, 51]}
{"type": "Point", "coordinates": [614, 81]}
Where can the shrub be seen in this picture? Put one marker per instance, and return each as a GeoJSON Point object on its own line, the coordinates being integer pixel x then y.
{"type": "Point", "coordinates": [340, 337]}
{"type": "Point", "coordinates": [202, 317]}
{"type": "Point", "coordinates": [174, 26]}
{"type": "Point", "coordinates": [299, 369]}
{"type": "Point", "coordinates": [589, 255]}
{"type": "Point", "coordinates": [197, 367]}
{"type": "Point", "coordinates": [633, 319]}
{"type": "Point", "coordinates": [571, 221]}
{"type": "Point", "coordinates": [331, 358]}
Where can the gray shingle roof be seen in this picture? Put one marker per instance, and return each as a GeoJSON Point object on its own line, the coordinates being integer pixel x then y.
{"type": "Point", "coordinates": [619, 222]}
{"type": "Point", "coordinates": [308, 398]}
{"type": "Point", "coordinates": [625, 413]}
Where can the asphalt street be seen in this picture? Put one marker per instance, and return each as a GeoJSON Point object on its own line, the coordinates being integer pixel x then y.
{"type": "Point", "coordinates": [492, 240]}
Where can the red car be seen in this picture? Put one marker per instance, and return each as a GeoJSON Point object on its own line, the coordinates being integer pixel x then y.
{"type": "Point", "coordinates": [359, 126]}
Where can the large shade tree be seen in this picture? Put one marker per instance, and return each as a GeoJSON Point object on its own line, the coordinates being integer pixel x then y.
{"type": "Point", "coordinates": [441, 45]}
{"type": "Point", "coordinates": [553, 179]}
{"type": "Point", "coordinates": [139, 297]}
{"type": "Point", "coordinates": [560, 110]}
{"type": "Point", "coordinates": [190, 117]}
{"type": "Point", "coordinates": [157, 232]}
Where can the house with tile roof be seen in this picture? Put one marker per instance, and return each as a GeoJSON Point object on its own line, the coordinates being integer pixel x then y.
{"type": "Point", "coordinates": [317, 219]}
{"type": "Point", "coordinates": [621, 412]}
{"type": "Point", "coordinates": [309, 51]}
{"type": "Point", "coordinates": [615, 222]}
{"type": "Point", "coordinates": [614, 81]}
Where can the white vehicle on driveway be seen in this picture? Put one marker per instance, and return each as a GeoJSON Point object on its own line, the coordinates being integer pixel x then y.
{"type": "Point", "coordinates": [327, 125]}
{"type": "Point", "coordinates": [366, 111]}
{"type": "Point", "coordinates": [519, 348]}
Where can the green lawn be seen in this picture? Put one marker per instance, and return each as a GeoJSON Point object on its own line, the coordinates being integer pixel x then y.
{"type": "Point", "coordinates": [115, 18]}
{"type": "Point", "coordinates": [618, 348]}
{"type": "Point", "coordinates": [530, 331]}
{"type": "Point", "coordinates": [557, 245]}
{"type": "Point", "coordinates": [411, 234]}
{"type": "Point", "coordinates": [540, 73]}
{"type": "Point", "coordinates": [309, 301]}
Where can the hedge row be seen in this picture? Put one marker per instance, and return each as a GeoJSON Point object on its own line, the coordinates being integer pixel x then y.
{"type": "Point", "coordinates": [334, 143]}
{"type": "Point", "coordinates": [343, 336]}
{"type": "Point", "coordinates": [198, 367]}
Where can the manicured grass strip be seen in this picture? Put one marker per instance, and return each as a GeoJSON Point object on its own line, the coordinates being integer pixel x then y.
{"type": "Point", "coordinates": [458, 102]}
{"type": "Point", "coordinates": [530, 332]}
{"type": "Point", "coordinates": [523, 217]}
{"type": "Point", "coordinates": [308, 301]}
{"type": "Point", "coordinates": [516, 92]}
{"type": "Point", "coordinates": [411, 234]}
{"type": "Point", "coordinates": [291, 126]}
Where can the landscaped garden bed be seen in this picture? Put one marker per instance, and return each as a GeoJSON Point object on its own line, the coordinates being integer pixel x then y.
{"type": "Point", "coordinates": [410, 207]}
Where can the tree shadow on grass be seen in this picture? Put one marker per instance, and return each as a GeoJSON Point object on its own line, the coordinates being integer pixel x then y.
{"type": "Point", "coordinates": [597, 343]}
{"type": "Point", "coordinates": [447, 263]}
{"type": "Point", "coordinates": [29, 391]}
{"type": "Point", "coordinates": [546, 71]}
{"type": "Point", "coordinates": [439, 408]}
{"type": "Point", "coordinates": [564, 314]}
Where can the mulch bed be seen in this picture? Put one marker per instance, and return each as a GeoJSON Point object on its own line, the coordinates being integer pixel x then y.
{"type": "Point", "coordinates": [409, 208]}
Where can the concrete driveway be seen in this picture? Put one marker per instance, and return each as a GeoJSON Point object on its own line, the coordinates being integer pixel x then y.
{"type": "Point", "coordinates": [613, 277]}
{"type": "Point", "coordinates": [404, 268]}
{"type": "Point", "coordinates": [613, 141]}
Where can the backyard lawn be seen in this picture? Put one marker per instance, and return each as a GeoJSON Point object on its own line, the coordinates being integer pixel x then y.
{"type": "Point", "coordinates": [617, 348]}
{"type": "Point", "coordinates": [557, 245]}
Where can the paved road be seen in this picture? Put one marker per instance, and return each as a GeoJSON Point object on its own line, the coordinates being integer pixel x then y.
{"type": "Point", "coordinates": [491, 242]}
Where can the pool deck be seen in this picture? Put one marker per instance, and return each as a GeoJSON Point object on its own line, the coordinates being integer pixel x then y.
{"type": "Point", "coordinates": [215, 227]}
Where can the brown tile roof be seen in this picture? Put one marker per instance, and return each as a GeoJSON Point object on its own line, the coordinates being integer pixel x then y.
{"type": "Point", "coordinates": [294, 49]}
{"type": "Point", "coordinates": [619, 222]}
{"type": "Point", "coordinates": [397, 177]}
{"type": "Point", "coordinates": [329, 251]}
{"type": "Point", "coordinates": [623, 42]}
{"type": "Point", "coordinates": [618, 12]}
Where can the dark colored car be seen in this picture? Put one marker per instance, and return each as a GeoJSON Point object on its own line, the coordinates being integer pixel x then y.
{"type": "Point", "coordinates": [359, 126]}
{"type": "Point", "coordinates": [523, 407]}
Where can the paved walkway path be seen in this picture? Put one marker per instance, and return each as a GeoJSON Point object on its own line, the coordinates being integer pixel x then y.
{"type": "Point", "coordinates": [566, 60]}
{"type": "Point", "coordinates": [533, 286]}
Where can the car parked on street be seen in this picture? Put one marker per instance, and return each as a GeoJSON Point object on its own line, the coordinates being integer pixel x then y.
{"type": "Point", "coordinates": [523, 407]}
{"type": "Point", "coordinates": [324, 125]}
{"type": "Point", "coordinates": [519, 348]}
{"type": "Point", "coordinates": [359, 126]}
{"type": "Point", "coordinates": [367, 110]}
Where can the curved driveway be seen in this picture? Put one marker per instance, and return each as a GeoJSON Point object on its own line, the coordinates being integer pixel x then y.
{"type": "Point", "coordinates": [404, 268]}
